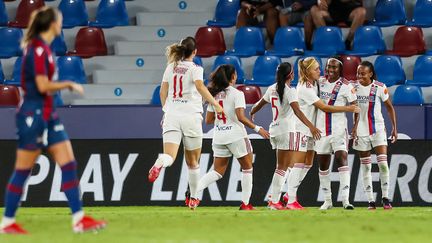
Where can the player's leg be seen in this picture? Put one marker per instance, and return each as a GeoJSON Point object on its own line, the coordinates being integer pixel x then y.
{"type": "Point", "coordinates": [63, 155]}
{"type": "Point", "coordinates": [297, 159]}
{"type": "Point", "coordinates": [171, 144]}
{"type": "Point", "coordinates": [24, 163]}
{"type": "Point", "coordinates": [324, 177]}
{"type": "Point", "coordinates": [363, 146]}
{"type": "Point", "coordinates": [192, 147]}
{"type": "Point", "coordinates": [246, 181]}
{"type": "Point", "coordinates": [281, 144]}
{"type": "Point", "coordinates": [308, 163]}
{"type": "Point", "coordinates": [341, 159]}
{"type": "Point", "coordinates": [381, 152]}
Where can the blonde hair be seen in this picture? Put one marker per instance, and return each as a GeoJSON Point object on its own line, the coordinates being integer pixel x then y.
{"type": "Point", "coordinates": [304, 68]}
{"type": "Point", "coordinates": [179, 51]}
{"type": "Point", "coordinates": [40, 21]}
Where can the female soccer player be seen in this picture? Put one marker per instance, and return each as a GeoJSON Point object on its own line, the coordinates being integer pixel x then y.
{"type": "Point", "coordinates": [369, 130]}
{"type": "Point", "coordinates": [334, 90]}
{"type": "Point", "coordinates": [230, 137]}
{"type": "Point", "coordinates": [181, 95]}
{"type": "Point", "coordinates": [39, 125]}
{"type": "Point", "coordinates": [285, 107]}
{"type": "Point", "coordinates": [309, 101]}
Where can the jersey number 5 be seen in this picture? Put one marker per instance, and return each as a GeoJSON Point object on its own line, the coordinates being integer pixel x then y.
{"type": "Point", "coordinates": [222, 116]}
{"type": "Point", "coordinates": [180, 92]}
{"type": "Point", "coordinates": [273, 100]}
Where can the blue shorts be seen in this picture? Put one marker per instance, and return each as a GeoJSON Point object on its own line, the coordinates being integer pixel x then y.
{"type": "Point", "coordinates": [36, 133]}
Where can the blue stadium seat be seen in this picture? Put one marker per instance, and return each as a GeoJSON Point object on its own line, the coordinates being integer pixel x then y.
{"type": "Point", "coordinates": [3, 14]}
{"type": "Point", "coordinates": [422, 75]}
{"type": "Point", "coordinates": [422, 14]}
{"type": "Point", "coordinates": [389, 70]}
{"type": "Point", "coordinates": [294, 82]}
{"type": "Point", "coordinates": [74, 13]}
{"type": "Point", "coordinates": [59, 45]}
{"type": "Point", "coordinates": [225, 14]}
{"type": "Point", "coordinates": [389, 12]}
{"type": "Point", "coordinates": [264, 71]}
{"type": "Point", "coordinates": [111, 13]}
{"type": "Point", "coordinates": [288, 42]}
{"type": "Point", "coordinates": [368, 40]}
{"type": "Point", "coordinates": [327, 41]}
{"type": "Point", "coordinates": [156, 97]}
{"type": "Point", "coordinates": [408, 95]}
{"type": "Point", "coordinates": [71, 68]}
{"type": "Point", "coordinates": [248, 41]}
{"type": "Point", "coordinates": [198, 61]}
{"type": "Point", "coordinates": [233, 60]}
{"type": "Point", "coordinates": [10, 44]}
{"type": "Point", "coordinates": [16, 76]}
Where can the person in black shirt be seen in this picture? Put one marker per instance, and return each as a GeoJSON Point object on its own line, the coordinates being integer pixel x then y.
{"type": "Point", "coordinates": [254, 12]}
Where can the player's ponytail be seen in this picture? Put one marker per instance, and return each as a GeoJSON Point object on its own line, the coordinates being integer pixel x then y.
{"type": "Point", "coordinates": [40, 21]}
{"type": "Point", "coordinates": [179, 51]}
{"type": "Point", "coordinates": [220, 78]}
{"type": "Point", "coordinates": [283, 72]}
{"type": "Point", "coordinates": [371, 68]}
{"type": "Point", "coordinates": [304, 67]}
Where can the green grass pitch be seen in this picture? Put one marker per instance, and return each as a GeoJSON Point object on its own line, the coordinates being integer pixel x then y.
{"type": "Point", "coordinates": [227, 224]}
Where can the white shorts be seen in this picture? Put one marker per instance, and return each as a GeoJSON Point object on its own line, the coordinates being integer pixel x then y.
{"type": "Point", "coordinates": [331, 144]}
{"type": "Point", "coordinates": [366, 143]}
{"type": "Point", "coordinates": [187, 128]}
{"type": "Point", "coordinates": [293, 141]}
{"type": "Point", "coordinates": [238, 149]}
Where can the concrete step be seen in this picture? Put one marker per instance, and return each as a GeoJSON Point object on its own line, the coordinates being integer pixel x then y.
{"type": "Point", "coordinates": [127, 76]}
{"type": "Point", "coordinates": [172, 18]}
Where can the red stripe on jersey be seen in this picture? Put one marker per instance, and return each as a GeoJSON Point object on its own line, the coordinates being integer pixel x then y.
{"type": "Point", "coordinates": [181, 87]}
{"type": "Point", "coordinates": [175, 85]}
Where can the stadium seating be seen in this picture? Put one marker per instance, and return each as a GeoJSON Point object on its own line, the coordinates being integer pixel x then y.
{"type": "Point", "coordinates": [74, 13]}
{"type": "Point", "coordinates": [9, 95]}
{"type": "Point", "coordinates": [71, 68]}
{"type": "Point", "coordinates": [368, 40]}
{"type": "Point", "coordinates": [16, 76]}
{"type": "Point", "coordinates": [233, 60]}
{"type": "Point", "coordinates": [210, 41]}
{"type": "Point", "coordinates": [89, 42]}
{"type": "Point", "coordinates": [25, 8]}
{"type": "Point", "coordinates": [408, 95]}
{"type": "Point", "coordinates": [10, 46]}
{"type": "Point", "coordinates": [422, 75]}
{"type": "Point", "coordinates": [389, 70]}
{"type": "Point", "coordinates": [111, 13]}
{"type": "Point", "coordinates": [3, 14]}
{"type": "Point", "coordinates": [58, 46]}
{"type": "Point", "coordinates": [422, 14]}
{"type": "Point", "coordinates": [327, 41]}
{"type": "Point", "coordinates": [288, 42]}
{"type": "Point", "coordinates": [225, 14]}
{"type": "Point", "coordinates": [295, 80]}
{"type": "Point", "coordinates": [408, 41]}
{"type": "Point", "coordinates": [264, 71]}
{"type": "Point", "coordinates": [252, 93]}
{"type": "Point", "coordinates": [156, 97]}
{"type": "Point", "coordinates": [248, 41]}
{"type": "Point", "coordinates": [198, 61]}
{"type": "Point", "coordinates": [389, 12]}
{"type": "Point", "coordinates": [350, 64]}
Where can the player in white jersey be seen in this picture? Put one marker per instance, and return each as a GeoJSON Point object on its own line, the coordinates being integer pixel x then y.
{"type": "Point", "coordinates": [369, 130]}
{"type": "Point", "coordinates": [336, 91]}
{"type": "Point", "coordinates": [307, 90]}
{"type": "Point", "coordinates": [229, 134]}
{"type": "Point", "coordinates": [285, 107]}
{"type": "Point", "coordinates": [182, 91]}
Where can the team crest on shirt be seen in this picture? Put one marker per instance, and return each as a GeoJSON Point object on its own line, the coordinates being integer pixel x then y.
{"type": "Point", "coordinates": [39, 51]}
{"type": "Point", "coordinates": [304, 141]}
{"type": "Point", "coordinates": [29, 121]}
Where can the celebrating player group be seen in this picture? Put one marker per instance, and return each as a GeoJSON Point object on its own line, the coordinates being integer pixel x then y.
{"type": "Point", "coordinates": [307, 120]}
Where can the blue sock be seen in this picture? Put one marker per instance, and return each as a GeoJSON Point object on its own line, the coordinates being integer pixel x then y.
{"type": "Point", "coordinates": [70, 186]}
{"type": "Point", "coordinates": [14, 191]}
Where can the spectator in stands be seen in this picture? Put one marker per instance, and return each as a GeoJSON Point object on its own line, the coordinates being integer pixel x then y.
{"type": "Point", "coordinates": [334, 12]}
{"type": "Point", "coordinates": [292, 12]}
{"type": "Point", "coordinates": [254, 12]}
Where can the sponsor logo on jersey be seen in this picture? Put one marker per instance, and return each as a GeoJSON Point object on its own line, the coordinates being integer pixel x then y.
{"type": "Point", "coordinates": [223, 128]}
{"type": "Point", "coordinates": [58, 128]}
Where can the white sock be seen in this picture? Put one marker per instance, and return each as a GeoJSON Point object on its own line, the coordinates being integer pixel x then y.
{"type": "Point", "coordinates": [207, 179]}
{"type": "Point", "coordinates": [194, 177]}
{"type": "Point", "coordinates": [164, 160]}
{"type": "Point", "coordinates": [366, 167]}
{"type": "Point", "coordinates": [6, 221]}
{"type": "Point", "coordinates": [344, 179]}
{"type": "Point", "coordinates": [304, 172]}
{"type": "Point", "coordinates": [384, 174]}
{"type": "Point", "coordinates": [277, 183]}
{"type": "Point", "coordinates": [325, 184]}
{"type": "Point", "coordinates": [287, 173]}
{"type": "Point", "coordinates": [246, 184]}
{"type": "Point", "coordinates": [76, 217]}
{"type": "Point", "coordinates": [293, 181]}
